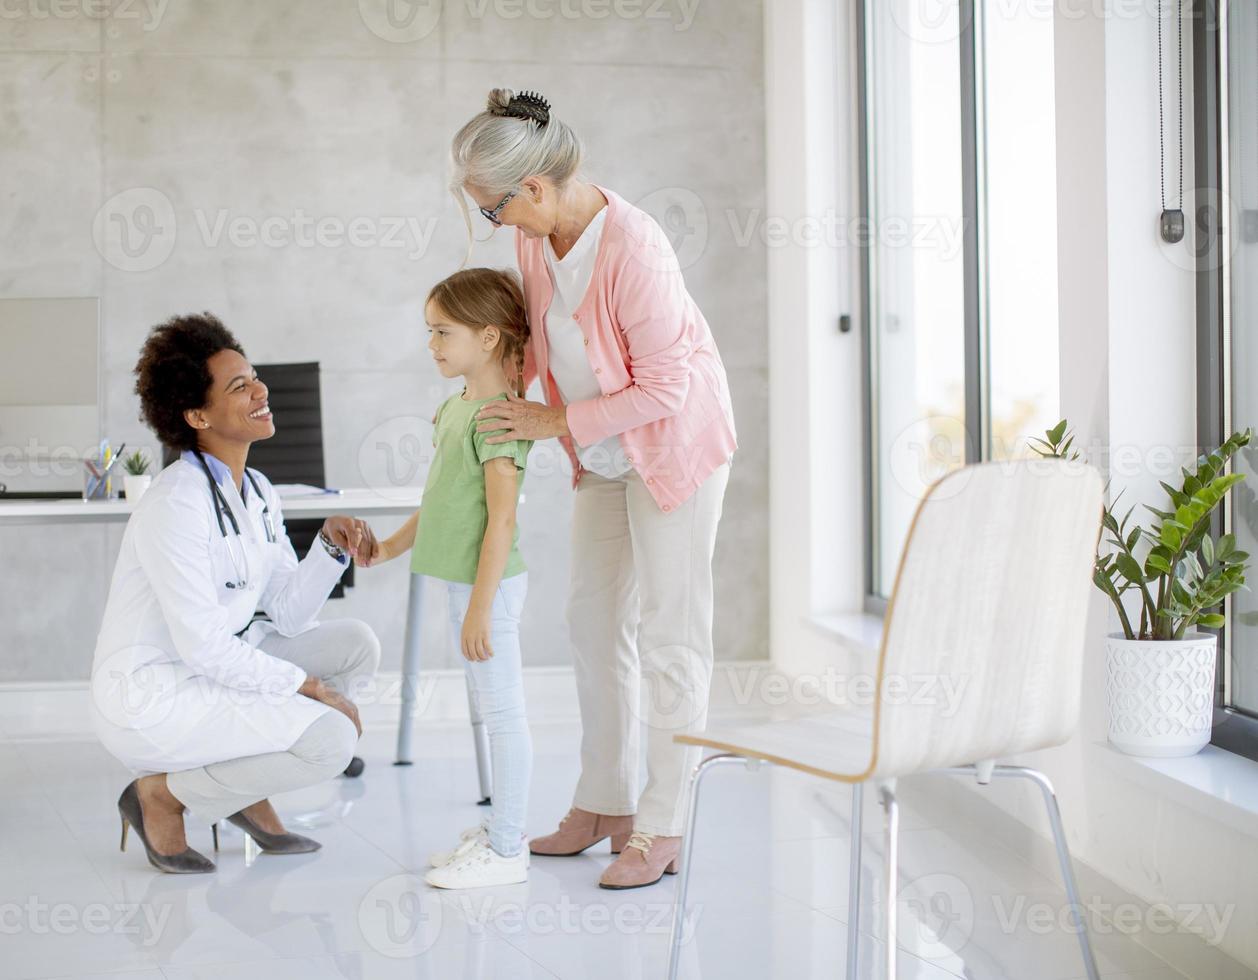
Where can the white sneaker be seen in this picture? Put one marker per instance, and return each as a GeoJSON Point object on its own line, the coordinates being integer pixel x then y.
{"type": "Point", "coordinates": [438, 858]}
{"type": "Point", "coordinates": [477, 865]}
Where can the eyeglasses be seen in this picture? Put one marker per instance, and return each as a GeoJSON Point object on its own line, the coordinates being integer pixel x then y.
{"type": "Point", "coordinates": [493, 215]}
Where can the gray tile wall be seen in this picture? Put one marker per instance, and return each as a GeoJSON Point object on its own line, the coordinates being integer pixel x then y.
{"type": "Point", "coordinates": [284, 165]}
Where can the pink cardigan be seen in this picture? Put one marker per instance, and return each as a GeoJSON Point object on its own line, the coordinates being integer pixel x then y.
{"type": "Point", "coordinates": [664, 387]}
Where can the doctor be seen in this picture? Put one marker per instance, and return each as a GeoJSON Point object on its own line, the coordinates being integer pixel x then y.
{"type": "Point", "coordinates": [215, 714]}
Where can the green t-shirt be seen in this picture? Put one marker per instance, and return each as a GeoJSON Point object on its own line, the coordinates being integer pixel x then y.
{"type": "Point", "coordinates": [453, 513]}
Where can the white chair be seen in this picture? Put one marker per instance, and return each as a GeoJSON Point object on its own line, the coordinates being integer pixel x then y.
{"type": "Point", "coordinates": [992, 592]}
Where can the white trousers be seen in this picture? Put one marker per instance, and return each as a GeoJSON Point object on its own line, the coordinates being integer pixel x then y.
{"type": "Point", "coordinates": [640, 618]}
{"type": "Point", "coordinates": [344, 654]}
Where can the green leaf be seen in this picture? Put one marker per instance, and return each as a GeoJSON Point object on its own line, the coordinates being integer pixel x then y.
{"type": "Point", "coordinates": [1207, 550]}
{"type": "Point", "coordinates": [1158, 564]}
{"type": "Point", "coordinates": [1212, 621]}
{"type": "Point", "coordinates": [1129, 567]}
{"type": "Point", "coordinates": [1056, 432]}
{"type": "Point", "coordinates": [1176, 496]}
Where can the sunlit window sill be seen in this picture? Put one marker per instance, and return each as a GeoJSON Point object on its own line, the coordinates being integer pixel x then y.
{"type": "Point", "coordinates": [1218, 784]}
{"type": "Point", "coordinates": [858, 631]}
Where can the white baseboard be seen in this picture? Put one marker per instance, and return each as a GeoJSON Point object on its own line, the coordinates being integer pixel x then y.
{"type": "Point", "coordinates": [58, 710]}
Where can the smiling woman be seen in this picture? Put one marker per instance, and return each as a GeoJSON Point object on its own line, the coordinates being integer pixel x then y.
{"type": "Point", "coordinates": [213, 711]}
{"type": "Point", "coordinates": [636, 392]}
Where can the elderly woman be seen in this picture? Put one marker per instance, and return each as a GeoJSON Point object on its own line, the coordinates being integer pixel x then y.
{"type": "Point", "coordinates": [215, 713]}
{"type": "Point", "coordinates": [636, 392]}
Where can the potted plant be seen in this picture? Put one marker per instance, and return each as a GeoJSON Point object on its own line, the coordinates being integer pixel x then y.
{"type": "Point", "coordinates": [1160, 668]}
{"type": "Point", "coordinates": [137, 478]}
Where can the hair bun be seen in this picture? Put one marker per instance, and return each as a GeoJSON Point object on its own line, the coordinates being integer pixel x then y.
{"type": "Point", "coordinates": [499, 100]}
{"type": "Point", "coordinates": [525, 105]}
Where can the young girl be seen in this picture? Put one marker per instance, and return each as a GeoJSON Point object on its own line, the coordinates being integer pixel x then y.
{"type": "Point", "coordinates": [467, 536]}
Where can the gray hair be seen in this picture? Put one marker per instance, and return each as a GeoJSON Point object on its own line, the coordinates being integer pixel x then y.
{"type": "Point", "coordinates": [514, 137]}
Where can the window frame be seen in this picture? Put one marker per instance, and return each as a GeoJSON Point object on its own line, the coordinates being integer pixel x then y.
{"type": "Point", "coordinates": [974, 285]}
{"type": "Point", "coordinates": [1233, 729]}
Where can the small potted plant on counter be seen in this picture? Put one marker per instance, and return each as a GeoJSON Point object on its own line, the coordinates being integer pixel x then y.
{"type": "Point", "coordinates": [137, 478]}
{"type": "Point", "coordinates": [1160, 668]}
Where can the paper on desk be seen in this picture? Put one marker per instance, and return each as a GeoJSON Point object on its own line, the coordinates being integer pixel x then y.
{"type": "Point", "coordinates": [288, 490]}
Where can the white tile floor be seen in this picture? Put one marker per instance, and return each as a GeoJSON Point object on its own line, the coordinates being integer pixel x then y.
{"type": "Point", "coordinates": [769, 891]}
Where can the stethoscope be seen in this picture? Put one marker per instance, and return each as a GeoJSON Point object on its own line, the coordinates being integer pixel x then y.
{"type": "Point", "coordinates": [222, 508]}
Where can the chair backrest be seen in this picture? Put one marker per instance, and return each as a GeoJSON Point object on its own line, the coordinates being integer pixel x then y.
{"type": "Point", "coordinates": [295, 453]}
{"type": "Point", "coordinates": [982, 651]}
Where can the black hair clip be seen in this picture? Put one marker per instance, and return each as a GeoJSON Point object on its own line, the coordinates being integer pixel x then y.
{"type": "Point", "coordinates": [530, 105]}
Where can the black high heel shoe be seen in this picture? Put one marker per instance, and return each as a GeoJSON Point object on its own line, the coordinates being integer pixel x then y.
{"type": "Point", "coordinates": [269, 843]}
{"type": "Point", "coordinates": [185, 862]}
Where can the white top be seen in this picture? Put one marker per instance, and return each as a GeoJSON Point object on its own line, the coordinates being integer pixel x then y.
{"type": "Point", "coordinates": [178, 681]}
{"type": "Point", "coordinates": [565, 342]}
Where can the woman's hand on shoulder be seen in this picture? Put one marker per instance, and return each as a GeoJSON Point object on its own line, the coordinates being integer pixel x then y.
{"type": "Point", "coordinates": [522, 420]}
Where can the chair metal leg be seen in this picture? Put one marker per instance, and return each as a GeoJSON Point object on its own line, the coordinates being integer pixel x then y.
{"type": "Point", "coordinates": [1063, 859]}
{"type": "Point", "coordinates": [854, 882]}
{"type": "Point", "coordinates": [687, 848]}
{"type": "Point", "coordinates": [891, 808]}
{"type": "Point", "coordinates": [480, 740]}
{"type": "Point", "coordinates": [1063, 850]}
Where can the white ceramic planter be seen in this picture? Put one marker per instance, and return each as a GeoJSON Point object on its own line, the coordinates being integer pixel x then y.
{"type": "Point", "coordinates": [135, 486]}
{"type": "Point", "coordinates": [1160, 694]}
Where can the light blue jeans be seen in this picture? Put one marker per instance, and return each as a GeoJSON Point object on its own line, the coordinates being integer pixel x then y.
{"type": "Point", "coordinates": [497, 688]}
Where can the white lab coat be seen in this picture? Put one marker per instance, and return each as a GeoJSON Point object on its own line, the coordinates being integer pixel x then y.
{"type": "Point", "coordinates": [173, 686]}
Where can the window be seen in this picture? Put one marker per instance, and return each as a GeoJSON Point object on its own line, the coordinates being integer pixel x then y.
{"type": "Point", "coordinates": [959, 265]}
{"type": "Point", "coordinates": [1227, 318]}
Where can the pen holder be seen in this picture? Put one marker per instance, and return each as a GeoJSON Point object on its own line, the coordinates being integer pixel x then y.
{"type": "Point", "coordinates": [95, 486]}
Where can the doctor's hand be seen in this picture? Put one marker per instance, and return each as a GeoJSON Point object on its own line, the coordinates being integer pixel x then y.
{"type": "Point", "coordinates": [314, 688]}
{"type": "Point", "coordinates": [353, 535]}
